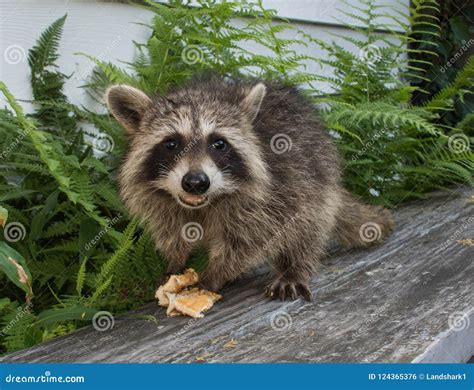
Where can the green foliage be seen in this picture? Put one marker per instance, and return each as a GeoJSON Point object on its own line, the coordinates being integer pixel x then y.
{"type": "Point", "coordinates": [81, 252]}
{"type": "Point", "coordinates": [450, 55]}
{"type": "Point", "coordinates": [185, 41]}
{"type": "Point", "coordinates": [72, 224]}
{"type": "Point", "coordinates": [393, 150]}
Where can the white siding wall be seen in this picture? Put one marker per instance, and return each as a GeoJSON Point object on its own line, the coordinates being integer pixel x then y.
{"type": "Point", "coordinates": [106, 30]}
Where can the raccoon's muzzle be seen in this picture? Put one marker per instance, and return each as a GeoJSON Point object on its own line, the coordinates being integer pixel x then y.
{"type": "Point", "coordinates": [195, 183]}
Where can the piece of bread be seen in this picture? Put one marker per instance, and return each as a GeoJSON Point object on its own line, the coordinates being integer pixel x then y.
{"type": "Point", "coordinates": [175, 284]}
{"type": "Point", "coordinates": [178, 300]}
{"type": "Point", "coordinates": [194, 302]}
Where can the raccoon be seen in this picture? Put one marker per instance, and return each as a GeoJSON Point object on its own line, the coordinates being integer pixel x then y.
{"type": "Point", "coordinates": [244, 169]}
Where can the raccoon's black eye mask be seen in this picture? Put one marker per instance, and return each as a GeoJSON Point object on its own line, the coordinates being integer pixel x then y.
{"type": "Point", "coordinates": [160, 159]}
{"type": "Point", "coordinates": [130, 105]}
{"type": "Point", "coordinates": [217, 143]}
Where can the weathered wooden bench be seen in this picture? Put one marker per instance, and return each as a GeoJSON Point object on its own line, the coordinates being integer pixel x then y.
{"type": "Point", "coordinates": [410, 299]}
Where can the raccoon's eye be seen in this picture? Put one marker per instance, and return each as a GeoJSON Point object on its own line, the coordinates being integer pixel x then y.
{"type": "Point", "coordinates": [171, 144]}
{"type": "Point", "coordinates": [219, 144]}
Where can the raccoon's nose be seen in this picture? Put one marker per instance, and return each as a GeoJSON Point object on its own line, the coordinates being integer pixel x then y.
{"type": "Point", "coordinates": [195, 183]}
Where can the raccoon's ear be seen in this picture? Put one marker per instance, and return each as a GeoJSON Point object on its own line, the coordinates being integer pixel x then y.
{"type": "Point", "coordinates": [127, 105]}
{"type": "Point", "coordinates": [253, 100]}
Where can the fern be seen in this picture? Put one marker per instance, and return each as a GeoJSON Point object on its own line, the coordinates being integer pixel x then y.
{"type": "Point", "coordinates": [392, 147]}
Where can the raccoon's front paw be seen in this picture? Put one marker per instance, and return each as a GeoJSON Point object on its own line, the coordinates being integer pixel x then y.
{"type": "Point", "coordinates": [171, 270]}
{"type": "Point", "coordinates": [164, 278]}
{"type": "Point", "coordinates": [288, 288]}
{"type": "Point", "coordinates": [175, 269]}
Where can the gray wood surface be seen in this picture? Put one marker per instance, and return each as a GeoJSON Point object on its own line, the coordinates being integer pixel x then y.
{"type": "Point", "coordinates": [398, 302]}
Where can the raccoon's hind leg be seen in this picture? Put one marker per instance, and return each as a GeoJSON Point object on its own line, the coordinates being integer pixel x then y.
{"type": "Point", "coordinates": [361, 225]}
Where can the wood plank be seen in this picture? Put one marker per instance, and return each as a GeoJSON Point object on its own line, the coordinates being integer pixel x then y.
{"type": "Point", "coordinates": [386, 304]}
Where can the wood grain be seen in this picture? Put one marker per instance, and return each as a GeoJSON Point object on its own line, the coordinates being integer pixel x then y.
{"type": "Point", "coordinates": [386, 304]}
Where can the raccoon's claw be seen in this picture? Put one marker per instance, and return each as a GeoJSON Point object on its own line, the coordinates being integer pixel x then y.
{"type": "Point", "coordinates": [284, 289]}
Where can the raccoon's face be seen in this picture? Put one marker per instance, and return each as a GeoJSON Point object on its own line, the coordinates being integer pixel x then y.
{"type": "Point", "coordinates": [190, 144]}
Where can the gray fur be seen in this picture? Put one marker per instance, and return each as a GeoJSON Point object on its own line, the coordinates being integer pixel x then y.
{"type": "Point", "coordinates": [285, 208]}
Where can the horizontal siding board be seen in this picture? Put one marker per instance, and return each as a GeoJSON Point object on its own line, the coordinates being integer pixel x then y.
{"type": "Point", "coordinates": [106, 30]}
{"type": "Point", "coordinates": [327, 12]}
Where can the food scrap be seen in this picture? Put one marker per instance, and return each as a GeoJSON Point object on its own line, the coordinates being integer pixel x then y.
{"type": "Point", "coordinates": [231, 344]}
{"type": "Point", "coordinates": [466, 242]}
{"type": "Point", "coordinates": [179, 299]}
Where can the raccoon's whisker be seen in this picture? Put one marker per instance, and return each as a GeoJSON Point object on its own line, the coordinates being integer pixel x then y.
{"type": "Point", "coordinates": [165, 166]}
{"type": "Point", "coordinates": [226, 169]}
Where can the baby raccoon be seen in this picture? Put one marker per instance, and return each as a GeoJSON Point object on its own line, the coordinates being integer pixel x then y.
{"type": "Point", "coordinates": [243, 169]}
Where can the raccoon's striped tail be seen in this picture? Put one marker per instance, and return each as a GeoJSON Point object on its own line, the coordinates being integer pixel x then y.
{"type": "Point", "coordinates": [361, 225]}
